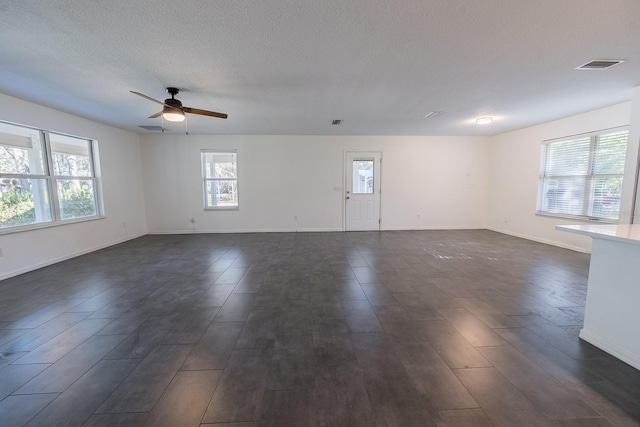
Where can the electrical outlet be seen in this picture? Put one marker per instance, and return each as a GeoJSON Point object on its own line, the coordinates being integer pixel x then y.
{"type": "Point", "coordinates": [506, 219]}
{"type": "Point", "coordinates": [193, 220]}
{"type": "Point", "coordinates": [124, 225]}
{"type": "Point", "coordinates": [1, 253]}
{"type": "Point", "coordinates": [295, 218]}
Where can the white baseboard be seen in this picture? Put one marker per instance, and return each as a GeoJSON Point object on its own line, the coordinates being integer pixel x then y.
{"type": "Point", "coordinates": [55, 260]}
{"type": "Point", "coordinates": [537, 239]}
{"type": "Point", "coordinates": [249, 230]}
{"type": "Point", "coordinates": [309, 230]}
{"type": "Point", "coordinates": [612, 349]}
{"type": "Point", "coordinates": [434, 228]}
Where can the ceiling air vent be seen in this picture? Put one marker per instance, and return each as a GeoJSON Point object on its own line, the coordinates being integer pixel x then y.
{"type": "Point", "coordinates": [336, 122]}
{"type": "Point", "coordinates": [154, 128]}
{"type": "Point", "coordinates": [600, 64]}
{"type": "Point", "coordinates": [433, 114]}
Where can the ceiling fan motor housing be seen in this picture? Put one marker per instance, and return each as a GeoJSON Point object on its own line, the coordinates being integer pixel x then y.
{"type": "Point", "coordinates": [173, 103]}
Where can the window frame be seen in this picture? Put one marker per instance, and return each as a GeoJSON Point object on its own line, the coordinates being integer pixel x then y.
{"type": "Point", "coordinates": [205, 180]}
{"type": "Point", "coordinates": [55, 177]}
{"type": "Point", "coordinates": [51, 179]}
{"type": "Point", "coordinates": [589, 177]}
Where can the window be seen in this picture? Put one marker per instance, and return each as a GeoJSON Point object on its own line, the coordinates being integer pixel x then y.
{"type": "Point", "coordinates": [220, 179]}
{"type": "Point", "coordinates": [45, 178]}
{"type": "Point", "coordinates": [362, 177]}
{"type": "Point", "coordinates": [581, 176]}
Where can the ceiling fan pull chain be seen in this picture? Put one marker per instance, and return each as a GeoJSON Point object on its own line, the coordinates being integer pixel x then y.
{"type": "Point", "coordinates": [186, 124]}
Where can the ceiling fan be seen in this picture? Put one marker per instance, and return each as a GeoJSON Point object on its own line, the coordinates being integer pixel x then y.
{"type": "Point", "coordinates": [173, 110]}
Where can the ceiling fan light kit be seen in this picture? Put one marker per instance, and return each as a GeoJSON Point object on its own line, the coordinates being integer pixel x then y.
{"type": "Point", "coordinates": [172, 114]}
{"type": "Point", "coordinates": [172, 110]}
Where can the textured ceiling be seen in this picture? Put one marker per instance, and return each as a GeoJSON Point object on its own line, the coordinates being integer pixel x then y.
{"type": "Point", "coordinates": [292, 66]}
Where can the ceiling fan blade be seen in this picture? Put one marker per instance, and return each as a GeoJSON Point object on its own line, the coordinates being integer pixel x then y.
{"type": "Point", "coordinates": [147, 97]}
{"type": "Point", "coordinates": [158, 114]}
{"type": "Point", "coordinates": [204, 112]}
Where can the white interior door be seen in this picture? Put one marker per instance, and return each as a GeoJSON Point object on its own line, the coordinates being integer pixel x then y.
{"type": "Point", "coordinates": [362, 190]}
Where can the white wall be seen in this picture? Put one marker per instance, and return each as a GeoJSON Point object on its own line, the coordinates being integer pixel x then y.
{"type": "Point", "coordinates": [442, 179]}
{"type": "Point", "coordinates": [513, 179]}
{"type": "Point", "coordinates": [121, 184]}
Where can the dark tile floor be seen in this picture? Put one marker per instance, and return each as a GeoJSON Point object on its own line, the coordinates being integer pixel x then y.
{"type": "Point", "coordinates": [443, 328]}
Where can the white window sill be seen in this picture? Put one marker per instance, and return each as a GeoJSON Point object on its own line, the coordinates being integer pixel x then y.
{"type": "Point", "coordinates": [578, 218]}
{"type": "Point", "coordinates": [41, 225]}
{"type": "Point", "coordinates": [223, 208]}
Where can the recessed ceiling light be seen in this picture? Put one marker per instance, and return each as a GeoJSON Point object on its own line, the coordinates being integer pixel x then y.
{"type": "Point", "coordinates": [484, 120]}
{"type": "Point", "coordinates": [433, 114]}
{"type": "Point", "coordinates": [600, 64]}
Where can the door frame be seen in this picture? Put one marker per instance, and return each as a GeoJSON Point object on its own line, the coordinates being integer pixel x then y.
{"type": "Point", "coordinates": [345, 153]}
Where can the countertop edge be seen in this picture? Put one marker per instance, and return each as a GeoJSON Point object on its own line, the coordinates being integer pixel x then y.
{"type": "Point", "coordinates": [604, 232]}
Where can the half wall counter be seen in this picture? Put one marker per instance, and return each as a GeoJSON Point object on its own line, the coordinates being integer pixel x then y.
{"type": "Point", "coordinates": [612, 313]}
